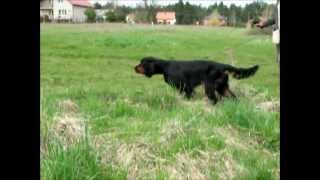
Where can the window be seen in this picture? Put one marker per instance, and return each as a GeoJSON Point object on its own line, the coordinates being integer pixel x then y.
{"type": "Point", "coordinates": [62, 11]}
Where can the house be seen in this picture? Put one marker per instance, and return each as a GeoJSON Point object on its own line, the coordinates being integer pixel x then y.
{"type": "Point", "coordinates": [46, 9]}
{"type": "Point", "coordinates": [166, 17]}
{"type": "Point", "coordinates": [65, 10]}
{"type": "Point", "coordinates": [71, 10]}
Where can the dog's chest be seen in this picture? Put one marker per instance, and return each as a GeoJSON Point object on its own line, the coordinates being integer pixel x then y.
{"type": "Point", "coordinates": [171, 79]}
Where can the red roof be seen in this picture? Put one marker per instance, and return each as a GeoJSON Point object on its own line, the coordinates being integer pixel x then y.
{"type": "Point", "coordinates": [166, 15]}
{"type": "Point", "coordinates": [84, 3]}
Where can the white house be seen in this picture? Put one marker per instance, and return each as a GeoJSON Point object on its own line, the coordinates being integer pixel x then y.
{"type": "Point", "coordinates": [166, 18]}
{"type": "Point", "coordinates": [69, 10]}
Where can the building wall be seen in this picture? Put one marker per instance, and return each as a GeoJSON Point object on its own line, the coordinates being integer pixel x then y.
{"type": "Point", "coordinates": [46, 8]}
{"type": "Point", "coordinates": [46, 4]}
{"type": "Point", "coordinates": [62, 9]}
{"type": "Point", "coordinates": [78, 14]}
{"type": "Point", "coordinates": [47, 12]}
{"type": "Point", "coordinates": [172, 21]}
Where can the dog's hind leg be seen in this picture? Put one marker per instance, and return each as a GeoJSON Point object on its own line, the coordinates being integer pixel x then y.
{"type": "Point", "coordinates": [188, 92]}
{"type": "Point", "coordinates": [228, 93]}
{"type": "Point", "coordinates": [222, 86]}
{"type": "Point", "coordinates": [210, 91]}
{"type": "Point", "coordinates": [210, 86]}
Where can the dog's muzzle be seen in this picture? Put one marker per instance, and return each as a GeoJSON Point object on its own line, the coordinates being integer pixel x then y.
{"type": "Point", "coordinates": [139, 69]}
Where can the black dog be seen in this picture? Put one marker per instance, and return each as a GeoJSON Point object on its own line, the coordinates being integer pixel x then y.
{"type": "Point", "coordinates": [186, 75]}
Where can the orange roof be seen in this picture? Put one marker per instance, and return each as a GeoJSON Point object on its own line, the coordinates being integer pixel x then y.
{"type": "Point", "coordinates": [166, 15]}
{"type": "Point", "coordinates": [84, 3]}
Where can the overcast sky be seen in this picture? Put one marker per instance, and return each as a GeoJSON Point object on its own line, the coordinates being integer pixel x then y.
{"type": "Point", "coordinates": [204, 3]}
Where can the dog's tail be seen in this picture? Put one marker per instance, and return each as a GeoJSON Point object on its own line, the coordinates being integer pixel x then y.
{"type": "Point", "coordinates": [241, 73]}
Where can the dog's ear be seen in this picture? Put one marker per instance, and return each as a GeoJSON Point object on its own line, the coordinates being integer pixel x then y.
{"type": "Point", "coordinates": [149, 69]}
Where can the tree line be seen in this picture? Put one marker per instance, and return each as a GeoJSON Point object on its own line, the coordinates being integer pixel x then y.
{"type": "Point", "coordinates": [187, 13]}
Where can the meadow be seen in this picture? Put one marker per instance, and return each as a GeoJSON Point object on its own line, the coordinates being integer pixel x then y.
{"type": "Point", "coordinates": [101, 120]}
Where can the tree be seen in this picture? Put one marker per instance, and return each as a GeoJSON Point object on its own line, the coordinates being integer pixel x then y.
{"type": "Point", "coordinates": [91, 15]}
{"type": "Point", "coordinates": [232, 20]}
{"type": "Point", "coordinates": [179, 12]}
{"type": "Point", "coordinates": [215, 18]}
{"type": "Point", "coordinates": [120, 15]}
{"type": "Point", "coordinates": [187, 13]}
{"type": "Point", "coordinates": [149, 6]}
{"type": "Point", "coordinates": [111, 16]}
{"type": "Point", "coordinates": [188, 17]}
{"type": "Point", "coordinates": [97, 5]}
{"type": "Point", "coordinates": [141, 16]}
{"type": "Point", "coordinates": [117, 15]}
{"type": "Point", "coordinates": [108, 5]}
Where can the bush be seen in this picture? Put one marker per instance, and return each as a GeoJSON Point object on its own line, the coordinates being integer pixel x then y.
{"type": "Point", "coordinates": [97, 5]}
{"type": "Point", "coordinates": [120, 15]}
{"type": "Point", "coordinates": [116, 16]}
{"type": "Point", "coordinates": [141, 16]}
{"type": "Point", "coordinates": [91, 15]}
{"type": "Point", "coordinates": [111, 16]}
{"type": "Point", "coordinates": [214, 19]}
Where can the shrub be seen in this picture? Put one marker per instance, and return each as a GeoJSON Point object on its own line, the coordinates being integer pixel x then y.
{"type": "Point", "coordinates": [91, 15]}
{"type": "Point", "coordinates": [111, 16]}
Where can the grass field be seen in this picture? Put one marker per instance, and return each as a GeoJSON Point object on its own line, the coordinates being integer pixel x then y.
{"type": "Point", "coordinates": [101, 120]}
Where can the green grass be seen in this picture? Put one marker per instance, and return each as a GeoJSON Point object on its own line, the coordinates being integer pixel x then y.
{"type": "Point", "coordinates": [144, 127]}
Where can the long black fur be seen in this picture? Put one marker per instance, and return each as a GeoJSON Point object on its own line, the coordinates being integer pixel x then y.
{"type": "Point", "coordinates": [186, 75]}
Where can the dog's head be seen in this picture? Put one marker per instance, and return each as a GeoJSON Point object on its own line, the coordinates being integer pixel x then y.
{"type": "Point", "coordinates": [146, 66]}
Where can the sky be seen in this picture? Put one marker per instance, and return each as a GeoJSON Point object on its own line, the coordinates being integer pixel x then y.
{"type": "Point", "coordinates": [203, 3]}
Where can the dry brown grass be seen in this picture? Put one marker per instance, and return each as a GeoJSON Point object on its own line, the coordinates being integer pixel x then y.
{"type": "Point", "coordinates": [170, 131]}
{"type": "Point", "coordinates": [271, 106]}
{"type": "Point", "coordinates": [201, 167]}
{"type": "Point", "coordinates": [68, 126]}
{"type": "Point", "coordinates": [233, 138]}
{"type": "Point", "coordinates": [68, 129]}
{"type": "Point", "coordinates": [68, 106]}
